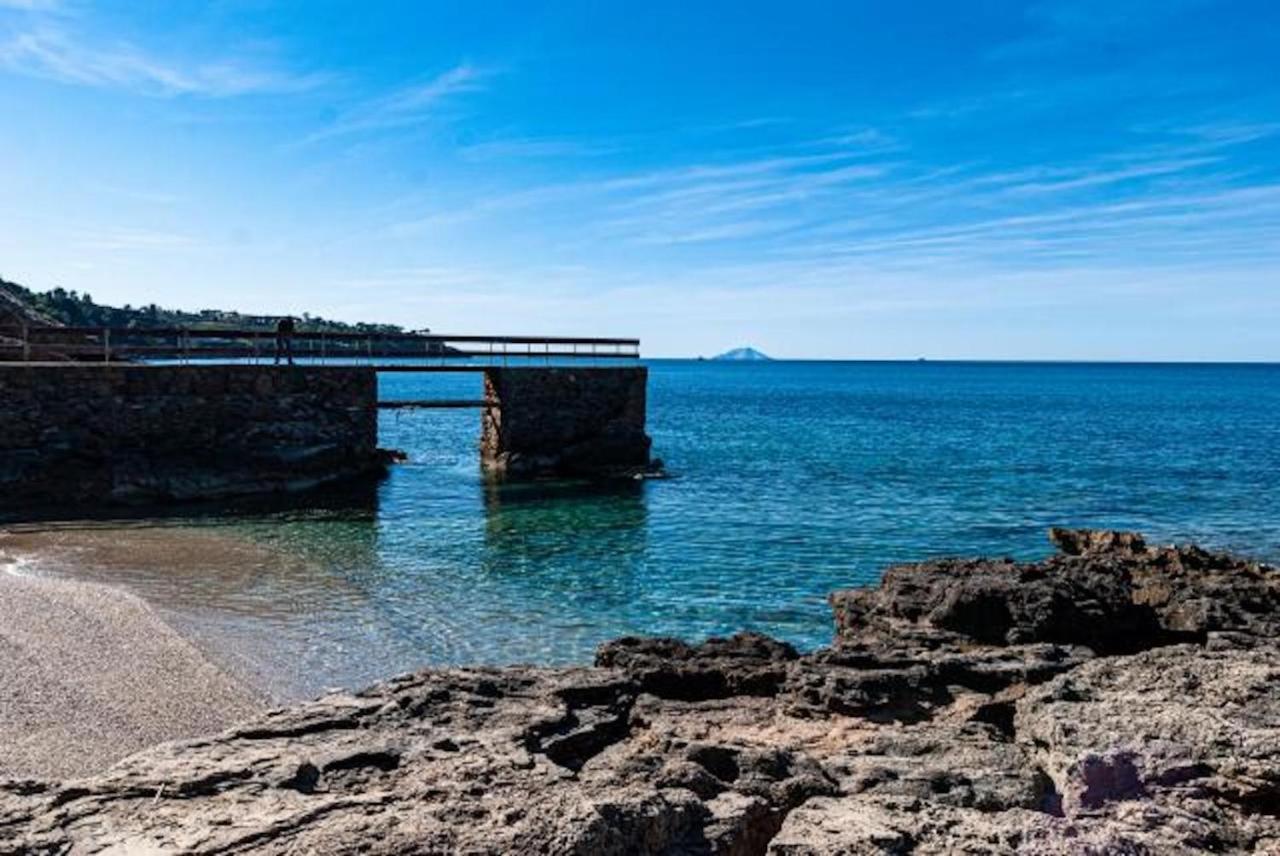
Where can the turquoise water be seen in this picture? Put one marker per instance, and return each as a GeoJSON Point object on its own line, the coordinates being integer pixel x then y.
{"type": "Point", "coordinates": [790, 479]}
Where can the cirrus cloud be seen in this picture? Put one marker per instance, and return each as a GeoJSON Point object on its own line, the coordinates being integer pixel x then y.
{"type": "Point", "coordinates": [52, 54]}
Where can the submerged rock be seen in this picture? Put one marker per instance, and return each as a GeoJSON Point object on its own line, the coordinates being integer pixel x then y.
{"type": "Point", "coordinates": [1115, 699]}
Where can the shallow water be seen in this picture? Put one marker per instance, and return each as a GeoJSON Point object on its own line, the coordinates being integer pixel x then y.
{"type": "Point", "coordinates": [790, 480]}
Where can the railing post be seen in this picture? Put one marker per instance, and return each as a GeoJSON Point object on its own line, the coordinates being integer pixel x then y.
{"type": "Point", "coordinates": [26, 344]}
{"type": "Point", "coordinates": [106, 344]}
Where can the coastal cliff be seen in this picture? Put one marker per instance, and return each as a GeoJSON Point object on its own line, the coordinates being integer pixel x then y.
{"type": "Point", "coordinates": [1115, 698]}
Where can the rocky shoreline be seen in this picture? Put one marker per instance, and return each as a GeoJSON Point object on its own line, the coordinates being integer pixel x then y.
{"type": "Point", "coordinates": [1115, 698]}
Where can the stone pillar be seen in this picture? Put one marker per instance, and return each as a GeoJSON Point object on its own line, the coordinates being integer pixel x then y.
{"type": "Point", "coordinates": [565, 422]}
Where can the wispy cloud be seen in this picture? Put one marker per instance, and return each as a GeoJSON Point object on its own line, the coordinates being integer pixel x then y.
{"type": "Point", "coordinates": [1163, 198]}
{"type": "Point", "coordinates": [730, 230]}
{"type": "Point", "coordinates": [526, 148]}
{"type": "Point", "coordinates": [1098, 175]}
{"type": "Point", "coordinates": [1154, 230]}
{"type": "Point", "coordinates": [128, 240]}
{"type": "Point", "coordinates": [152, 197]}
{"type": "Point", "coordinates": [52, 54]}
{"type": "Point", "coordinates": [31, 5]}
{"type": "Point", "coordinates": [1228, 133]}
{"type": "Point", "coordinates": [1059, 26]}
{"type": "Point", "coordinates": [677, 204]}
{"type": "Point", "coordinates": [406, 107]}
{"type": "Point", "coordinates": [758, 198]}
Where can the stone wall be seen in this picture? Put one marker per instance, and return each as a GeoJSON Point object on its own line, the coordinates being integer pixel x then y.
{"type": "Point", "coordinates": [565, 421]}
{"type": "Point", "coordinates": [132, 433]}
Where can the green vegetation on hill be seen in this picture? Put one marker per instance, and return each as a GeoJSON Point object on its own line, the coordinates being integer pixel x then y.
{"type": "Point", "coordinates": [80, 310]}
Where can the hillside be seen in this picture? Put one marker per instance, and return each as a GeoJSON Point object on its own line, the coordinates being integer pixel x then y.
{"type": "Point", "coordinates": [20, 305]}
{"type": "Point", "coordinates": [15, 311]}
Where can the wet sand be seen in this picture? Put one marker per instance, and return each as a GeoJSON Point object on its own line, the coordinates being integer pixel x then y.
{"type": "Point", "coordinates": [90, 674]}
{"type": "Point", "coordinates": [263, 605]}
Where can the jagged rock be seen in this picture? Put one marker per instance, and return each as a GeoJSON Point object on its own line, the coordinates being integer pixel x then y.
{"type": "Point", "coordinates": [744, 664]}
{"type": "Point", "coordinates": [1110, 593]}
{"type": "Point", "coordinates": [1090, 542]}
{"type": "Point", "coordinates": [886, 682]}
{"type": "Point", "coordinates": [1204, 724]}
{"type": "Point", "coordinates": [969, 706]}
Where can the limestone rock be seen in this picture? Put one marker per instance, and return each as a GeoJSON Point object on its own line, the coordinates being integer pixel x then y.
{"type": "Point", "coordinates": [1110, 593]}
{"type": "Point", "coordinates": [1180, 722]}
{"type": "Point", "coordinates": [745, 664]}
{"type": "Point", "coordinates": [1118, 700]}
{"type": "Point", "coordinates": [1086, 542]}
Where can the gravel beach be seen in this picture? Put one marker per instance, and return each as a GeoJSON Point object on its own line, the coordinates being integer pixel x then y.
{"type": "Point", "coordinates": [90, 674]}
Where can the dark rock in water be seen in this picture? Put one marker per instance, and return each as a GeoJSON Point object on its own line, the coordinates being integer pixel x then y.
{"type": "Point", "coordinates": [1110, 593]}
{"type": "Point", "coordinates": [1084, 542]}
{"type": "Point", "coordinates": [1117, 699]}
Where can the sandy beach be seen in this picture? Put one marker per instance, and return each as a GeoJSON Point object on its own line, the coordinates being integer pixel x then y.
{"type": "Point", "coordinates": [90, 674]}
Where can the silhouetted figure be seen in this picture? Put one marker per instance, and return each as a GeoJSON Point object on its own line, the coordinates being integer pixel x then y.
{"type": "Point", "coordinates": [284, 339]}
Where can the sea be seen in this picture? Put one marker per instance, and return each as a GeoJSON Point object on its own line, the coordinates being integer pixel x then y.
{"type": "Point", "coordinates": [788, 480]}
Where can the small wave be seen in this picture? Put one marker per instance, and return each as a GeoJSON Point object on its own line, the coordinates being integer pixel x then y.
{"type": "Point", "coordinates": [16, 566]}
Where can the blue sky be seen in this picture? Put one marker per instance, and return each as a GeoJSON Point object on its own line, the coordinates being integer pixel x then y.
{"type": "Point", "coordinates": [1071, 180]}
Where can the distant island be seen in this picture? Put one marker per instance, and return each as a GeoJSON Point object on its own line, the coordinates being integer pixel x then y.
{"type": "Point", "coordinates": [744, 355]}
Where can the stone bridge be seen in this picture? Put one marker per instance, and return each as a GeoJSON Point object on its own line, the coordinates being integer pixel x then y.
{"type": "Point", "coordinates": [76, 433]}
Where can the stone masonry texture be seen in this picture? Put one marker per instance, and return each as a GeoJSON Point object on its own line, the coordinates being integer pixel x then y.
{"type": "Point", "coordinates": [565, 421]}
{"type": "Point", "coordinates": [143, 433]}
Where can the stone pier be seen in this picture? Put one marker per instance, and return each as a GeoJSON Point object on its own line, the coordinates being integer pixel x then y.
{"type": "Point", "coordinates": [564, 422]}
{"type": "Point", "coordinates": [90, 434]}
{"type": "Point", "coordinates": [83, 434]}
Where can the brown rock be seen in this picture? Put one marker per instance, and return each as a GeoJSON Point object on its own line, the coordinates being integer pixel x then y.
{"type": "Point", "coordinates": [1111, 594]}
{"type": "Point", "coordinates": [1086, 542]}
{"type": "Point", "coordinates": [924, 731]}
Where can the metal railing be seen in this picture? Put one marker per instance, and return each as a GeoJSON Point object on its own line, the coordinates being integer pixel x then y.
{"type": "Point", "coordinates": [131, 344]}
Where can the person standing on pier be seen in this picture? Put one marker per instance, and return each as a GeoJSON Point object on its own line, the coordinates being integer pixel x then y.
{"type": "Point", "coordinates": [284, 339]}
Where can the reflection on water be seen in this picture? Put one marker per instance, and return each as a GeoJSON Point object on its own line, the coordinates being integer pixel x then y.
{"type": "Point", "coordinates": [568, 555]}
{"type": "Point", "coordinates": [792, 479]}
{"type": "Point", "coordinates": [354, 499]}
{"type": "Point", "coordinates": [526, 526]}
{"type": "Point", "coordinates": [333, 588]}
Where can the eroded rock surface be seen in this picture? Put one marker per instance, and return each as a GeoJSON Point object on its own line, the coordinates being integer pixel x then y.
{"type": "Point", "coordinates": [1108, 591]}
{"type": "Point", "coordinates": [1114, 699]}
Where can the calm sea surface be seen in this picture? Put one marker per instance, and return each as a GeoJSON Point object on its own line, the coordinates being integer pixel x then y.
{"type": "Point", "coordinates": [790, 479]}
